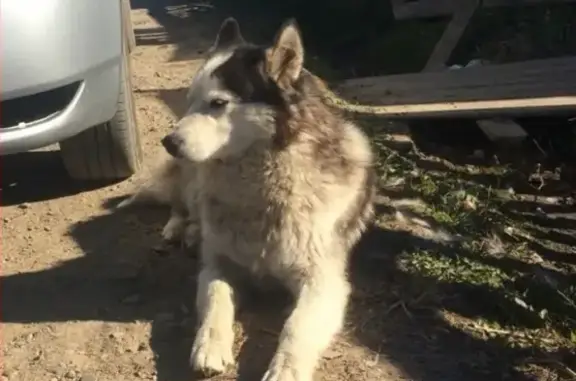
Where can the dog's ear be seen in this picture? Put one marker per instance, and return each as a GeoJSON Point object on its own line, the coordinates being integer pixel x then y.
{"type": "Point", "coordinates": [284, 60]}
{"type": "Point", "coordinates": [228, 35]}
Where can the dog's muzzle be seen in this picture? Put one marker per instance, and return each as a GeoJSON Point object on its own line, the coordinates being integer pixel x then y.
{"type": "Point", "coordinates": [173, 143]}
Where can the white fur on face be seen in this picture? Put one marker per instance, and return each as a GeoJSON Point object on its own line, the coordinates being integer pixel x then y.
{"type": "Point", "coordinates": [205, 72]}
{"type": "Point", "coordinates": [209, 133]}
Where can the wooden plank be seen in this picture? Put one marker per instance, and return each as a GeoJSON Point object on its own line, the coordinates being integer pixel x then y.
{"type": "Point", "coordinates": [423, 9]}
{"type": "Point", "coordinates": [438, 8]}
{"type": "Point", "coordinates": [510, 107]}
{"type": "Point", "coordinates": [536, 78]}
{"type": "Point", "coordinates": [520, 3]}
{"type": "Point", "coordinates": [514, 88]}
{"type": "Point", "coordinates": [502, 129]}
{"type": "Point", "coordinates": [443, 49]}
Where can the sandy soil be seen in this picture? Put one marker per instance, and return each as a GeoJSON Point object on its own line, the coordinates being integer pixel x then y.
{"type": "Point", "coordinates": [91, 294]}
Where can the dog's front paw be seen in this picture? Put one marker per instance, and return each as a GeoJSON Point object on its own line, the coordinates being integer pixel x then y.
{"type": "Point", "coordinates": [212, 353]}
{"type": "Point", "coordinates": [173, 229]}
{"type": "Point", "coordinates": [282, 369]}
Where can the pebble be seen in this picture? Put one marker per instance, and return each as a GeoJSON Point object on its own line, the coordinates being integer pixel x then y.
{"type": "Point", "coordinates": [132, 299]}
{"type": "Point", "coordinates": [164, 317]}
{"type": "Point", "coordinates": [116, 335]}
{"type": "Point", "coordinates": [161, 249]}
{"type": "Point", "coordinates": [478, 154]}
{"type": "Point", "coordinates": [37, 356]}
{"type": "Point", "coordinates": [332, 354]}
{"type": "Point", "coordinates": [70, 374]}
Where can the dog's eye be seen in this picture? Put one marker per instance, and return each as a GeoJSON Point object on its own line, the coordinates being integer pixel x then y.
{"type": "Point", "coordinates": [217, 103]}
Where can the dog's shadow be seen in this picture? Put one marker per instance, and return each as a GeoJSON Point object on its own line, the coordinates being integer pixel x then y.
{"type": "Point", "coordinates": [163, 291]}
{"type": "Point", "coordinates": [127, 275]}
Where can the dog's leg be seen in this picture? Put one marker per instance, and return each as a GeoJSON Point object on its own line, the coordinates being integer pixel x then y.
{"type": "Point", "coordinates": [174, 228]}
{"type": "Point", "coordinates": [193, 224]}
{"type": "Point", "coordinates": [316, 318]}
{"type": "Point", "coordinates": [212, 349]}
{"type": "Point", "coordinates": [191, 233]}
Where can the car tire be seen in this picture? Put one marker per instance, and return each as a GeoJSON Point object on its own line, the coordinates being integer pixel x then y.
{"type": "Point", "coordinates": [111, 150]}
{"type": "Point", "coordinates": [128, 28]}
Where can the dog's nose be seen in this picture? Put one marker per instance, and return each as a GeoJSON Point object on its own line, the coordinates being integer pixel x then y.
{"type": "Point", "coordinates": [172, 144]}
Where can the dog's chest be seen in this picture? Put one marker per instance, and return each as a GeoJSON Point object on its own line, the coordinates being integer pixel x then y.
{"type": "Point", "coordinates": [238, 218]}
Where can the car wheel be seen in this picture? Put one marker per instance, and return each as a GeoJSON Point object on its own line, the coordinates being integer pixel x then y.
{"type": "Point", "coordinates": [111, 150]}
{"type": "Point", "coordinates": [128, 28]}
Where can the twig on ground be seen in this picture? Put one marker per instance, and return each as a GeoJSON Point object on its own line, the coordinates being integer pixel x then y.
{"type": "Point", "coordinates": [269, 332]}
{"type": "Point", "coordinates": [539, 147]}
{"type": "Point", "coordinates": [560, 364]}
{"type": "Point", "coordinates": [399, 303]}
{"type": "Point", "coordinates": [518, 335]}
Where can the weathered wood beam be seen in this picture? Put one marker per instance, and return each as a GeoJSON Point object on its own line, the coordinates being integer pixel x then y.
{"type": "Point", "coordinates": [404, 10]}
{"type": "Point", "coordinates": [505, 89]}
{"type": "Point", "coordinates": [452, 34]}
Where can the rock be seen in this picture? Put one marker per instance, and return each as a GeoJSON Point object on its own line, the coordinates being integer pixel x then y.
{"type": "Point", "coordinates": [332, 354]}
{"type": "Point", "coordinates": [161, 249]}
{"type": "Point", "coordinates": [70, 374]}
{"type": "Point", "coordinates": [116, 335]}
{"type": "Point", "coordinates": [37, 356]}
{"type": "Point", "coordinates": [132, 299]}
{"type": "Point", "coordinates": [88, 377]}
{"type": "Point", "coordinates": [478, 154]}
{"type": "Point", "coordinates": [164, 317]}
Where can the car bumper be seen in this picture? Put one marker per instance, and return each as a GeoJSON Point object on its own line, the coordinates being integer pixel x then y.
{"type": "Point", "coordinates": [82, 58]}
{"type": "Point", "coordinates": [94, 102]}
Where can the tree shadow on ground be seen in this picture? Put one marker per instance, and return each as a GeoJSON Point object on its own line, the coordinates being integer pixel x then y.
{"type": "Point", "coordinates": [126, 276]}
{"type": "Point", "coordinates": [541, 277]}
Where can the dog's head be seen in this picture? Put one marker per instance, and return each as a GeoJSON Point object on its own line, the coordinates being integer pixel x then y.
{"type": "Point", "coordinates": [236, 96]}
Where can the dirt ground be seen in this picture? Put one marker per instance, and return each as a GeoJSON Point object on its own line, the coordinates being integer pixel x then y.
{"type": "Point", "coordinates": [92, 294]}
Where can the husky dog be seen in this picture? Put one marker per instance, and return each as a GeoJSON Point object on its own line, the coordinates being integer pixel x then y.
{"type": "Point", "coordinates": [281, 187]}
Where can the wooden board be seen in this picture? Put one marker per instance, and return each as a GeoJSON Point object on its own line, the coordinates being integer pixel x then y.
{"type": "Point", "coordinates": [500, 129]}
{"type": "Point", "coordinates": [422, 8]}
{"type": "Point", "coordinates": [511, 89]}
{"type": "Point", "coordinates": [447, 43]}
{"type": "Point", "coordinates": [405, 10]}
